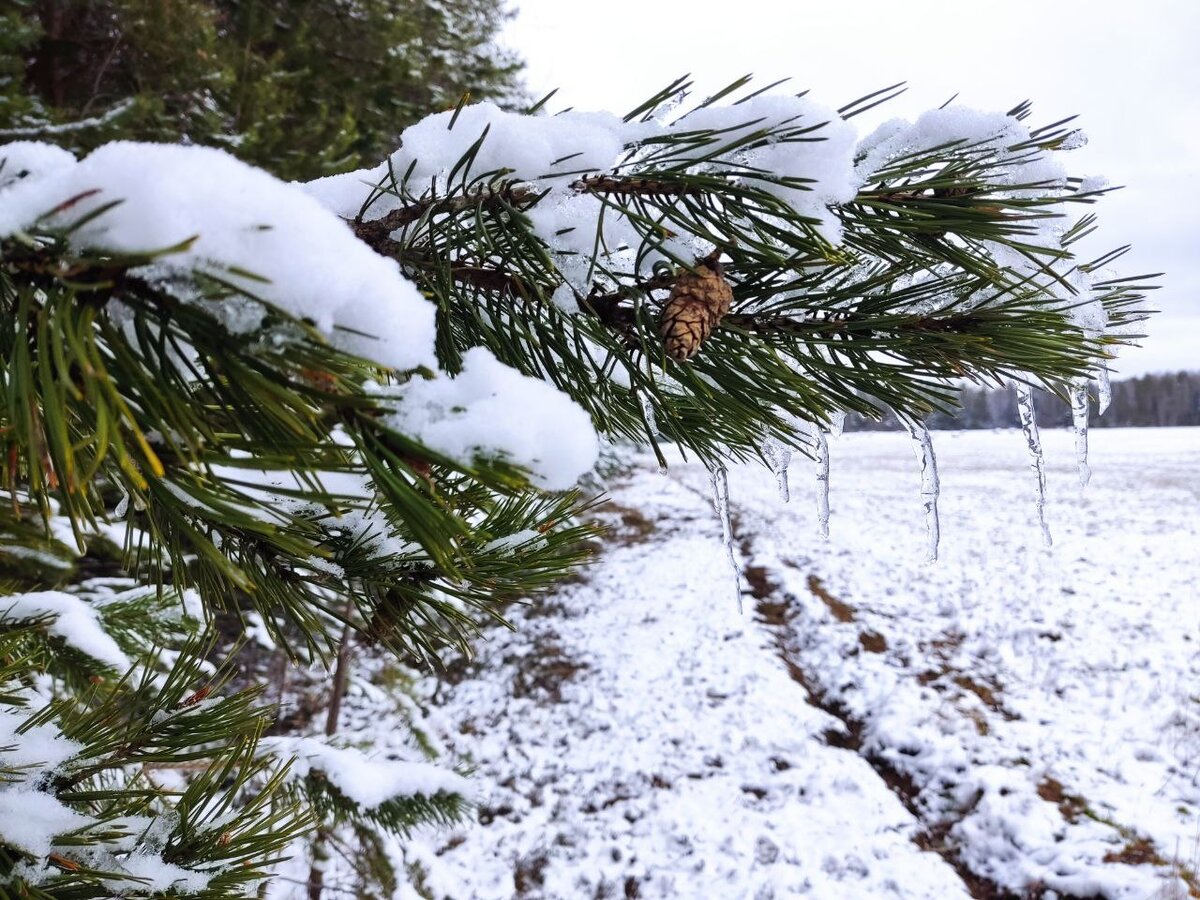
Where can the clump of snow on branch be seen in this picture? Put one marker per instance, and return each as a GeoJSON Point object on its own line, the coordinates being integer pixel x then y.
{"type": "Point", "coordinates": [550, 152]}
{"type": "Point", "coordinates": [71, 619]}
{"type": "Point", "coordinates": [961, 126]}
{"type": "Point", "coordinates": [32, 159]}
{"type": "Point", "coordinates": [237, 219]}
{"type": "Point", "coordinates": [490, 409]}
{"type": "Point", "coordinates": [526, 148]}
{"type": "Point", "coordinates": [365, 780]}
{"type": "Point", "coordinates": [1016, 170]}
{"type": "Point", "coordinates": [40, 746]}
{"type": "Point", "coordinates": [825, 162]}
{"type": "Point", "coordinates": [229, 219]}
{"type": "Point", "coordinates": [30, 819]}
{"type": "Point", "coordinates": [155, 873]}
{"type": "Point", "coordinates": [529, 147]}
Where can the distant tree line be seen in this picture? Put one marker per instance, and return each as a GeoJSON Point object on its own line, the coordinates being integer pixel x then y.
{"type": "Point", "coordinates": [1148, 401]}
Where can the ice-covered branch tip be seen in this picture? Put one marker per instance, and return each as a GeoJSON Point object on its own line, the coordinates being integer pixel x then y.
{"type": "Point", "coordinates": [278, 245]}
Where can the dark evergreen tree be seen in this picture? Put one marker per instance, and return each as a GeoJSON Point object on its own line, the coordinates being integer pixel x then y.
{"type": "Point", "coordinates": [303, 88]}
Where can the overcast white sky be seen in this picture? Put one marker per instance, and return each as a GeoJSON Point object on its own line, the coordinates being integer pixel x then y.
{"type": "Point", "coordinates": [1131, 70]}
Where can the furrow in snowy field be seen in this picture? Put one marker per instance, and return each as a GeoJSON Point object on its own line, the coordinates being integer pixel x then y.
{"type": "Point", "coordinates": [636, 735]}
{"type": "Point", "coordinates": [1035, 710]}
{"type": "Point", "coordinates": [1036, 703]}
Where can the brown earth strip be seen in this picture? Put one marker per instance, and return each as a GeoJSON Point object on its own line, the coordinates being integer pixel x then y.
{"type": "Point", "coordinates": [777, 610]}
{"type": "Point", "coordinates": [774, 610]}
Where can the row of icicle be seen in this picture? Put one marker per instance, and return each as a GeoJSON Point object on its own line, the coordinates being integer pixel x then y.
{"type": "Point", "coordinates": [779, 457]}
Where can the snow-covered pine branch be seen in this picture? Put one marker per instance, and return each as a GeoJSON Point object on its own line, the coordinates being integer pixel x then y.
{"type": "Point", "coordinates": [358, 406]}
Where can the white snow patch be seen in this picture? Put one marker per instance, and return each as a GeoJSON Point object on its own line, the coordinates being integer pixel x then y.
{"type": "Point", "coordinates": [30, 820]}
{"type": "Point", "coordinates": [366, 780]}
{"type": "Point", "coordinates": [73, 620]}
{"type": "Point", "coordinates": [240, 218]}
{"type": "Point", "coordinates": [489, 409]}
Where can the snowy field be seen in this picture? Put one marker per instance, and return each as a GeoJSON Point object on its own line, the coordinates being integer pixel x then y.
{"type": "Point", "coordinates": [1009, 722]}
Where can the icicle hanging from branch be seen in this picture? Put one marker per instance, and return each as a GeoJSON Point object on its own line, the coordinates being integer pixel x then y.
{"type": "Point", "coordinates": [720, 486]}
{"type": "Point", "coordinates": [922, 445]}
{"type": "Point", "coordinates": [837, 421]}
{"type": "Point", "coordinates": [778, 458]}
{"type": "Point", "coordinates": [1033, 440]}
{"type": "Point", "coordinates": [822, 449]}
{"type": "Point", "coordinates": [1079, 419]}
{"type": "Point", "coordinates": [1103, 390]}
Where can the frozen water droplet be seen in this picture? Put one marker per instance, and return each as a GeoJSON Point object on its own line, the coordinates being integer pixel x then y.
{"type": "Point", "coordinates": [1103, 390]}
{"type": "Point", "coordinates": [1079, 417]}
{"type": "Point", "coordinates": [822, 454]}
{"type": "Point", "coordinates": [837, 421]}
{"type": "Point", "coordinates": [1033, 440]}
{"type": "Point", "coordinates": [720, 486]}
{"type": "Point", "coordinates": [778, 458]}
{"type": "Point", "coordinates": [922, 445]}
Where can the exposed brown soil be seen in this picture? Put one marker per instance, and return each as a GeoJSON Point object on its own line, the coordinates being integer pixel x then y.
{"type": "Point", "coordinates": [1072, 806]}
{"type": "Point", "coordinates": [1137, 852]}
{"type": "Point", "coordinates": [624, 525]}
{"type": "Point", "coordinates": [542, 673]}
{"type": "Point", "coordinates": [872, 642]}
{"type": "Point", "coordinates": [774, 610]}
{"type": "Point", "coordinates": [842, 611]}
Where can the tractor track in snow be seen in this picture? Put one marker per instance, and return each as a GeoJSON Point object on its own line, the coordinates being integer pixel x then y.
{"type": "Point", "coordinates": [634, 737]}
{"type": "Point", "coordinates": [777, 612]}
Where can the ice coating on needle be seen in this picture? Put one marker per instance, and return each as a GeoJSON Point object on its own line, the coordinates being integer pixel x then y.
{"type": "Point", "coordinates": [1103, 389]}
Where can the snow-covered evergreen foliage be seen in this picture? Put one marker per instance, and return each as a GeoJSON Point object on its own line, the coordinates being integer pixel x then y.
{"type": "Point", "coordinates": [354, 410]}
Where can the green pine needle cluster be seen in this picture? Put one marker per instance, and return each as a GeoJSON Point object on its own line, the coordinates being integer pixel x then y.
{"type": "Point", "coordinates": [912, 299]}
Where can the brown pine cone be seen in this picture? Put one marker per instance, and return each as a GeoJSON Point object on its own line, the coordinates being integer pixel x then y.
{"type": "Point", "coordinates": [697, 303]}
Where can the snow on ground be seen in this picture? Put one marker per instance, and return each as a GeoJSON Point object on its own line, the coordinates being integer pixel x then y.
{"type": "Point", "coordinates": [1010, 719]}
